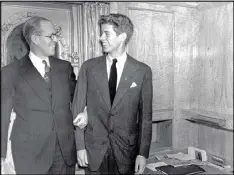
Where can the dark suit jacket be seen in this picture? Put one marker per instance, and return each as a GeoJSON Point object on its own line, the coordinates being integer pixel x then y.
{"type": "Point", "coordinates": [126, 126]}
{"type": "Point", "coordinates": [32, 136]}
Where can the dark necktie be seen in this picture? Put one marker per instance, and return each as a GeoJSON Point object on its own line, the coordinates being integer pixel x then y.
{"type": "Point", "coordinates": [113, 80]}
{"type": "Point", "coordinates": [47, 71]}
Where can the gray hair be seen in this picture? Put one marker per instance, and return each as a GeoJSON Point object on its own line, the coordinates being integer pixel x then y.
{"type": "Point", "coordinates": [32, 26]}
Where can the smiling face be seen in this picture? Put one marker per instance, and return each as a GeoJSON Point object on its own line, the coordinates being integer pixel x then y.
{"type": "Point", "coordinates": [111, 43]}
{"type": "Point", "coordinates": [45, 45]}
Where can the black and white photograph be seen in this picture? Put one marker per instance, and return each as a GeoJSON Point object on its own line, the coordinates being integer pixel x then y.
{"type": "Point", "coordinates": [116, 87]}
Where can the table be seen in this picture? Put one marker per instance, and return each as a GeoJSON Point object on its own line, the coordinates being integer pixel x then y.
{"type": "Point", "coordinates": [205, 165]}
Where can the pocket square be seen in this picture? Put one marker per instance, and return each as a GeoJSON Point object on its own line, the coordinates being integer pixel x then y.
{"type": "Point", "coordinates": [133, 85]}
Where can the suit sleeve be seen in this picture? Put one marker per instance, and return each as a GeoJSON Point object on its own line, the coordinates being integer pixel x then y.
{"type": "Point", "coordinates": [78, 105]}
{"type": "Point", "coordinates": [7, 91]}
{"type": "Point", "coordinates": [146, 114]}
{"type": "Point", "coordinates": [72, 80]}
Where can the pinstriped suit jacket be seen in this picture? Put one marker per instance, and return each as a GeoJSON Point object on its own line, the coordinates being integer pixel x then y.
{"type": "Point", "coordinates": [126, 126]}
{"type": "Point", "coordinates": [32, 137]}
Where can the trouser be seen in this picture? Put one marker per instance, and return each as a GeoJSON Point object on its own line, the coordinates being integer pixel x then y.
{"type": "Point", "coordinates": [59, 165]}
{"type": "Point", "coordinates": [108, 166]}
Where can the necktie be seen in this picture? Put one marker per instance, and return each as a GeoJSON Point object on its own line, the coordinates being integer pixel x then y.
{"type": "Point", "coordinates": [47, 71]}
{"type": "Point", "coordinates": [113, 80]}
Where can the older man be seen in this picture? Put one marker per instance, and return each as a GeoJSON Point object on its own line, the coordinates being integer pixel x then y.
{"type": "Point", "coordinates": [39, 88]}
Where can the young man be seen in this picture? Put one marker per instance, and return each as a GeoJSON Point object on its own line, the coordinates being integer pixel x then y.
{"type": "Point", "coordinates": [117, 91]}
{"type": "Point", "coordinates": [39, 88]}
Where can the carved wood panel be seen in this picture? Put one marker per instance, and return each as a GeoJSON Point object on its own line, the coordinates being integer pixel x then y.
{"type": "Point", "coordinates": [216, 60]}
{"type": "Point", "coordinates": [152, 44]}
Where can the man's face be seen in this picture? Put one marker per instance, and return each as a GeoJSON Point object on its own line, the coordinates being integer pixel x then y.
{"type": "Point", "coordinates": [109, 39]}
{"type": "Point", "coordinates": [45, 44]}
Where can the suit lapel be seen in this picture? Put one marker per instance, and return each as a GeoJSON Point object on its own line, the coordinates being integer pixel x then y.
{"type": "Point", "coordinates": [100, 74]}
{"type": "Point", "coordinates": [126, 79]}
{"type": "Point", "coordinates": [33, 78]}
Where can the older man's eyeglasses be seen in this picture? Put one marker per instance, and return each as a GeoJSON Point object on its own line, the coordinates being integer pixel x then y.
{"type": "Point", "coordinates": [54, 36]}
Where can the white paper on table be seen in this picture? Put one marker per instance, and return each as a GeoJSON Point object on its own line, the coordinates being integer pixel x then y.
{"type": "Point", "coordinates": [180, 156]}
{"type": "Point", "coordinates": [152, 166]}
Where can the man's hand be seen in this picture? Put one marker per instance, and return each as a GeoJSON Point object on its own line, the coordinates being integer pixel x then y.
{"type": "Point", "coordinates": [140, 164]}
{"type": "Point", "coordinates": [82, 158]}
{"type": "Point", "coordinates": [81, 120]}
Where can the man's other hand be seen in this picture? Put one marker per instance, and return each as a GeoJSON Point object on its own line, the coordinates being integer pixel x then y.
{"type": "Point", "coordinates": [140, 164]}
{"type": "Point", "coordinates": [82, 158]}
{"type": "Point", "coordinates": [81, 120]}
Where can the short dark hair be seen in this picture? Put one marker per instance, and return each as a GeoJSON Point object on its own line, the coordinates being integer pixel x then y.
{"type": "Point", "coordinates": [120, 23]}
{"type": "Point", "coordinates": [32, 26]}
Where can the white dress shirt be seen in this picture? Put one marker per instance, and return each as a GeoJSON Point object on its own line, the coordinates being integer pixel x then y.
{"type": "Point", "coordinates": [119, 65]}
{"type": "Point", "coordinates": [38, 64]}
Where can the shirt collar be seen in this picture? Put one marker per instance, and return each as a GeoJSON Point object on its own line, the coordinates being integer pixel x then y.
{"type": "Point", "coordinates": [120, 60]}
{"type": "Point", "coordinates": [37, 60]}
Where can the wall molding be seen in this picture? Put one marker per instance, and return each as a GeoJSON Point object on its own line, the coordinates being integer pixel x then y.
{"type": "Point", "coordinates": [162, 114]}
{"type": "Point", "coordinates": [209, 118]}
{"type": "Point", "coordinates": [8, 26]}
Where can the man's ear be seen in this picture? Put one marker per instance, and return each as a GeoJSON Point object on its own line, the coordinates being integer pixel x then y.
{"type": "Point", "coordinates": [123, 36]}
{"type": "Point", "coordinates": [34, 39]}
